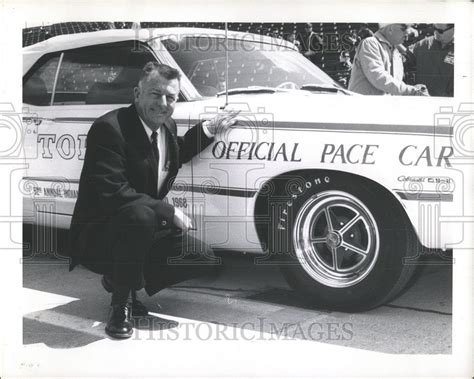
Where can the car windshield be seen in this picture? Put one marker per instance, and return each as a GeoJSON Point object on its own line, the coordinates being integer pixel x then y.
{"type": "Point", "coordinates": [252, 64]}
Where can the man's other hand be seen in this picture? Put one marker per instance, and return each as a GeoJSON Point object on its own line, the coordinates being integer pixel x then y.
{"type": "Point", "coordinates": [421, 90]}
{"type": "Point", "coordinates": [181, 221]}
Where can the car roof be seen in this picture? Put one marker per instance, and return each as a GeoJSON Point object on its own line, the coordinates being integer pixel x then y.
{"type": "Point", "coordinates": [73, 41]}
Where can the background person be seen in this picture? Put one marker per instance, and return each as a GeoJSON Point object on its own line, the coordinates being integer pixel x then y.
{"type": "Point", "coordinates": [291, 37]}
{"type": "Point", "coordinates": [275, 33]}
{"type": "Point", "coordinates": [378, 66]}
{"type": "Point", "coordinates": [311, 44]}
{"type": "Point", "coordinates": [433, 58]}
{"type": "Point", "coordinates": [343, 68]}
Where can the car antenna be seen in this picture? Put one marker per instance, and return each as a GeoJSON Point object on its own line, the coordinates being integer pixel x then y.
{"type": "Point", "coordinates": [226, 69]}
{"type": "Point", "coordinates": [193, 218]}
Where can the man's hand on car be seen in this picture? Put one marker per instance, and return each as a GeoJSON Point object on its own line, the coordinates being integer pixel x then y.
{"type": "Point", "coordinates": [222, 121]}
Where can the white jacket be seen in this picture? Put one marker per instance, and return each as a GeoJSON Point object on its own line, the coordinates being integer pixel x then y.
{"type": "Point", "coordinates": [378, 69]}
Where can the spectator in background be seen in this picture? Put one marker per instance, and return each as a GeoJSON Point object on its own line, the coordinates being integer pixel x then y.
{"type": "Point", "coordinates": [354, 38]}
{"type": "Point", "coordinates": [378, 67]}
{"type": "Point", "coordinates": [412, 35]}
{"type": "Point", "coordinates": [343, 68]}
{"type": "Point", "coordinates": [275, 33]}
{"type": "Point", "coordinates": [363, 33]}
{"type": "Point", "coordinates": [357, 37]}
{"type": "Point", "coordinates": [291, 37]}
{"type": "Point", "coordinates": [433, 58]}
{"type": "Point", "coordinates": [311, 44]}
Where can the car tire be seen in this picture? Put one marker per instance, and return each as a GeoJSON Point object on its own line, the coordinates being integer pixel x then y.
{"type": "Point", "coordinates": [348, 243]}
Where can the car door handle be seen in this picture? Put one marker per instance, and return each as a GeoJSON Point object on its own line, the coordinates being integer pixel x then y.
{"type": "Point", "coordinates": [32, 120]}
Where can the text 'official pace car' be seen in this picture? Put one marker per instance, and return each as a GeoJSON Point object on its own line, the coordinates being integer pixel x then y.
{"type": "Point", "coordinates": [341, 206]}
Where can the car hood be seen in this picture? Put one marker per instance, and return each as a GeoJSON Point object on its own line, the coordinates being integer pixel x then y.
{"type": "Point", "coordinates": [317, 107]}
{"type": "Point", "coordinates": [291, 105]}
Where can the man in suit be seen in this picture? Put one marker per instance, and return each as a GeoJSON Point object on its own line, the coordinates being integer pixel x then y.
{"type": "Point", "coordinates": [121, 226]}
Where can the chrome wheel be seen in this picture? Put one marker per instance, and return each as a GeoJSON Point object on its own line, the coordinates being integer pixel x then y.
{"type": "Point", "coordinates": [336, 239]}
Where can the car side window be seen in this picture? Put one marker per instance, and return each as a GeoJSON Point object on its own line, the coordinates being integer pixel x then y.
{"type": "Point", "coordinates": [38, 87]}
{"type": "Point", "coordinates": [101, 74]}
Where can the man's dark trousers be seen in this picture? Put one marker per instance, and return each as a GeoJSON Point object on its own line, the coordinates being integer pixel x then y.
{"type": "Point", "coordinates": [134, 248]}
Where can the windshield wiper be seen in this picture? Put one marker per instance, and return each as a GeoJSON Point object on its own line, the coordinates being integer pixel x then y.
{"type": "Point", "coordinates": [262, 89]}
{"type": "Point", "coordinates": [317, 87]}
{"type": "Point", "coordinates": [252, 89]}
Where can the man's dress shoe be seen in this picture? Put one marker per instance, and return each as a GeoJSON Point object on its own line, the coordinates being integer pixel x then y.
{"type": "Point", "coordinates": [138, 308]}
{"type": "Point", "coordinates": [119, 324]}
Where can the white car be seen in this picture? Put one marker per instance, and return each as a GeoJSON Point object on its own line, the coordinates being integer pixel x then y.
{"type": "Point", "coordinates": [342, 207]}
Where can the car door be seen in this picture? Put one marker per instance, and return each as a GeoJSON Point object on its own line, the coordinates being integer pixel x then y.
{"type": "Point", "coordinates": [216, 187]}
{"type": "Point", "coordinates": [64, 93]}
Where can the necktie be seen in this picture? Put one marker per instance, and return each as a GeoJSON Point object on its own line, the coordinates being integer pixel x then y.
{"type": "Point", "coordinates": [154, 146]}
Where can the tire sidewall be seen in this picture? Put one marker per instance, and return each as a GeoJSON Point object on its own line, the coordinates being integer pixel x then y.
{"type": "Point", "coordinates": [385, 273]}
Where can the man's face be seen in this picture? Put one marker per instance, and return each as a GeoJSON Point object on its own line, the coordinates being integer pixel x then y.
{"type": "Point", "coordinates": [398, 33]}
{"type": "Point", "coordinates": [444, 33]}
{"type": "Point", "coordinates": [345, 57]}
{"type": "Point", "coordinates": [155, 99]}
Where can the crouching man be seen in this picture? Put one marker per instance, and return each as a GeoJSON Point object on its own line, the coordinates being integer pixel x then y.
{"type": "Point", "coordinates": [121, 227]}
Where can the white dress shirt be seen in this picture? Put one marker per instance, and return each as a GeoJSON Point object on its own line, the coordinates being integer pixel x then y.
{"type": "Point", "coordinates": [160, 139]}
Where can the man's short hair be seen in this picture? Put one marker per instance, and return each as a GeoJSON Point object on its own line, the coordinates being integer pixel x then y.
{"type": "Point", "coordinates": [167, 72]}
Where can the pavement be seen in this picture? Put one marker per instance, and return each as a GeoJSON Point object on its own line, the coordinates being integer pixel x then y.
{"type": "Point", "coordinates": [68, 310]}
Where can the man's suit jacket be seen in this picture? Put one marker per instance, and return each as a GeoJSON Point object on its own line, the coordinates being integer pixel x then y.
{"type": "Point", "coordinates": [120, 171]}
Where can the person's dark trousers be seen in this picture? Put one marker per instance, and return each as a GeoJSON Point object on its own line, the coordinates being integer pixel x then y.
{"type": "Point", "coordinates": [137, 251]}
{"type": "Point", "coordinates": [130, 235]}
{"type": "Point", "coordinates": [176, 257]}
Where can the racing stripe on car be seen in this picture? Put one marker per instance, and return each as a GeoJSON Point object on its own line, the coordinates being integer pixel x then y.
{"type": "Point", "coordinates": [212, 190]}
{"type": "Point", "coordinates": [49, 179]}
{"type": "Point", "coordinates": [346, 128]}
{"type": "Point", "coordinates": [425, 196]}
{"type": "Point", "coordinates": [337, 128]}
